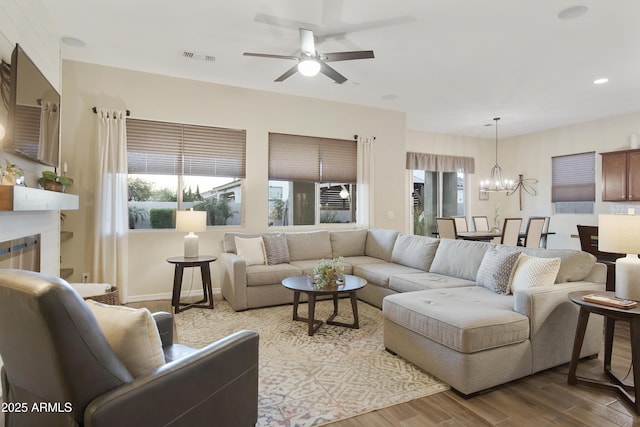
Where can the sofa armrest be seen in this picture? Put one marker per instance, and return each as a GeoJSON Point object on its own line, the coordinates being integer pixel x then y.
{"type": "Point", "coordinates": [217, 384]}
{"type": "Point", "coordinates": [164, 323]}
{"type": "Point", "coordinates": [539, 302]}
{"type": "Point", "coordinates": [552, 322]}
{"type": "Point", "coordinates": [234, 280]}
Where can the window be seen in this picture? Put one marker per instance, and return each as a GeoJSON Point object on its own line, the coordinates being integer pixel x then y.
{"type": "Point", "coordinates": [573, 183]}
{"type": "Point", "coordinates": [311, 180]}
{"type": "Point", "coordinates": [180, 166]}
{"type": "Point", "coordinates": [439, 188]}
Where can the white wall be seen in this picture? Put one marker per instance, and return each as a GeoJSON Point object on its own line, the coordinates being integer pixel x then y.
{"type": "Point", "coordinates": [24, 23]}
{"type": "Point", "coordinates": [531, 156]}
{"type": "Point", "coordinates": [170, 99]}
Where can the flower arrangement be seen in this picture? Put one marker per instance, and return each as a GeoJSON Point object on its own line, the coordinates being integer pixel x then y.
{"type": "Point", "coordinates": [328, 273]}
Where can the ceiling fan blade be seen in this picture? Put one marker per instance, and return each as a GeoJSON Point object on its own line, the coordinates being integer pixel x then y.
{"type": "Point", "coordinates": [290, 72]}
{"type": "Point", "coordinates": [267, 55]}
{"type": "Point", "coordinates": [307, 44]}
{"type": "Point", "coordinates": [346, 56]}
{"type": "Point", "coordinates": [331, 73]}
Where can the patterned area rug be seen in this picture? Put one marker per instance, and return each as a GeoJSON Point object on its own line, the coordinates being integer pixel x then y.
{"type": "Point", "coordinates": [306, 381]}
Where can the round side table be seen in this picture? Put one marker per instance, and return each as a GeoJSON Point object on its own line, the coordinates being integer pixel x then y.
{"type": "Point", "coordinates": [181, 263]}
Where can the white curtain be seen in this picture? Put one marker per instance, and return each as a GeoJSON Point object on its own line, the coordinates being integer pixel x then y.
{"type": "Point", "coordinates": [49, 128]}
{"type": "Point", "coordinates": [364, 203]}
{"type": "Point", "coordinates": [111, 196]}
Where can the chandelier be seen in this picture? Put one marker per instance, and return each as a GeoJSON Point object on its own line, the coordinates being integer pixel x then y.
{"type": "Point", "coordinates": [496, 181]}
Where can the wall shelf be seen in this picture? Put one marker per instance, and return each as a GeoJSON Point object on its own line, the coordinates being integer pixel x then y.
{"type": "Point", "coordinates": [21, 199]}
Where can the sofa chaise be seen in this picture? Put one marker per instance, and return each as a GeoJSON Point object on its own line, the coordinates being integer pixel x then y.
{"type": "Point", "coordinates": [439, 312]}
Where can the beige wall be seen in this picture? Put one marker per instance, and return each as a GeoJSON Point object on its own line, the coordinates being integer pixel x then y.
{"type": "Point", "coordinates": [157, 97]}
{"type": "Point", "coordinates": [530, 155]}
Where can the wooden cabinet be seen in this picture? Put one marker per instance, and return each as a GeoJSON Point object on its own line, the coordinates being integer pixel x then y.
{"type": "Point", "coordinates": [621, 176]}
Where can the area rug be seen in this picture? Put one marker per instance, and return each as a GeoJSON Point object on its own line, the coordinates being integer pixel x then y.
{"type": "Point", "coordinates": [306, 381]}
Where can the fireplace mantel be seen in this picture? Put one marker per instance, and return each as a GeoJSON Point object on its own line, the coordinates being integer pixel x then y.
{"type": "Point", "coordinates": [20, 199]}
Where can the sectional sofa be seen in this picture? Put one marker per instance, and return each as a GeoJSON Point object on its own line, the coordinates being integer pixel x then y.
{"type": "Point", "coordinates": [446, 304]}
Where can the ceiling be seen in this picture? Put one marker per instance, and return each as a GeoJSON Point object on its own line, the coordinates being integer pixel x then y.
{"type": "Point", "coordinates": [451, 65]}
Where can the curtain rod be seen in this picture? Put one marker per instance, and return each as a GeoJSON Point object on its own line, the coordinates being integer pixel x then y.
{"type": "Point", "coordinates": [356, 137]}
{"type": "Point", "coordinates": [95, 110]}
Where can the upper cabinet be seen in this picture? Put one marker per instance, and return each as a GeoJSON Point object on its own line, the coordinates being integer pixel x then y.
{"type": "Point", "coordinates": [621, 176]}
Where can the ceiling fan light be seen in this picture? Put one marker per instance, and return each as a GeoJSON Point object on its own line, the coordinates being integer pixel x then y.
{"type": "Point", "coordinates": [309, 67]}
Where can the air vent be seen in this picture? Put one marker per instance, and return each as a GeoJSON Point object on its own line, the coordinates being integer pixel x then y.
{"type": "Point", "coordinates": [198, 56]}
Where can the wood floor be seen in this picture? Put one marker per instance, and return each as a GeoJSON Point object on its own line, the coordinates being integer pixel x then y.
{"type": "Point", "coordinates": [543, 399]}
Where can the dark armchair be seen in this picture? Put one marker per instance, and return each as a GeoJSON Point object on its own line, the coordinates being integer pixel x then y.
{"type": "Point", "coordinates": [60, 371]}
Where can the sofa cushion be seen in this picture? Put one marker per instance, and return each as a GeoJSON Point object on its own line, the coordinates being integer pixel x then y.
{"type": "Point", "coordinates": [380, 243]}
{"type": "Point", "coordinates": [276, 249]}
{"type": "Point", "coordinates": [348, 243]}
{"type": "Point", "coordinates": [409, 282]}
{"type": "Point", "coordinates": [251, 250]}
{"type": "Point", "coordinates": [467, 320]}
{"type": "Point", "coordinates": [132, 334]}
{"type": "Point", "coordinates": [574, 265]}
{"type": "Point", "coordinates": [309, 245]}
{"type": "Point", "coordinates": [459, 258]}
{"type": "Point", "coordinates": [229, 241]}
{"type": "Point", "coordinates": [258, 275]}
{"type": "Point", "coordinates": [378, 273]}
{"type": "Point", "coordinates": [533, 271]}
{"type": "Point", "coordinates": [414, 251]}
{"type": "Point", "coordinates": [359, 260]}
{"type": "Point", "coordinates": [496, 269]}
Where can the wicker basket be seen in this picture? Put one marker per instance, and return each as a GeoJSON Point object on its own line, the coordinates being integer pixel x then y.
{"type": "Point", "coordinates": [110, 297]}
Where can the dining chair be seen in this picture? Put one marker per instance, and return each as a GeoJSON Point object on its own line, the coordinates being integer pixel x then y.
{"type": "Point", "coordinates": [511, 231]}
{"type": "Point", "coordinates": [480, 223]}
{"type": "Point", "coordinates": [446, 228]}
{"type": "Point", "coordinates": [545, 230]}
{"type": "Point", "coordinates": [588, 235]}
{"type": "Point", "coordinates": [461, 223]}
{"type": "Point", "coordinates": [534, 231]}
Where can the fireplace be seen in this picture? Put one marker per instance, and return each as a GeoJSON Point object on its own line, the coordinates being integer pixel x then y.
{"type": "Point", "coordinates": [22, 253]}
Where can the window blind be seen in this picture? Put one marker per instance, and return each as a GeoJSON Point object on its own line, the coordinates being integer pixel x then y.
{"type": "Point", "coordinates": [573, 178]}
{"type": "Point", "coordinates": [181, 149]}
{"type": "Point", "coordinates": [312, 159]}
{"type": "Point", "coordinates": [439, 163]}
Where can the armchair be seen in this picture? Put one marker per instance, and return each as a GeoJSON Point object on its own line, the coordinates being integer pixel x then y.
{"type": "Point", "coordinates": [56, 357]}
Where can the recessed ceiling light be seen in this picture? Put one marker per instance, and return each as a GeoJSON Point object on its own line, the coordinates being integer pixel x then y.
{"type": "Point", "coordinates": [74, 42]}
{"type": "Point", "coordinates": [573, 12]}
{"type": "Point", "coordinates": [600, 81]}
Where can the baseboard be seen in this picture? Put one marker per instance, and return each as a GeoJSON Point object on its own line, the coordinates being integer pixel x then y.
{"type": "Point", "coordinates": [168, 295]}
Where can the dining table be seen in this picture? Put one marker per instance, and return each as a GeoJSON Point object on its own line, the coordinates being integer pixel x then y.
{"type": "Point", "coordinates": [491, 234]}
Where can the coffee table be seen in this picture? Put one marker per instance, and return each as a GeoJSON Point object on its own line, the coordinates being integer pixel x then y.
{"type": "Point", "coordinates": [303, 284]}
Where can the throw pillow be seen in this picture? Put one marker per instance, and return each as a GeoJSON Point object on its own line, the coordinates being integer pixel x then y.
{"type": "Point", "coordinates": [532, 271]}
{"type": "Point", "coordinates": [275, 246]}
{"type": "Point", "coordinates": [252, 250]}
{"type": "Point", "coordinates": [132, 335]}
{"type": "Point", "coordinates": [496, 269]}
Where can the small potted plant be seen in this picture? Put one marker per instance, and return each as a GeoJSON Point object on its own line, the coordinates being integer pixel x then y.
{"type": "Point", "coordinates": [54, 182]}
{"type": "Point", "coordinates": [9, 174]}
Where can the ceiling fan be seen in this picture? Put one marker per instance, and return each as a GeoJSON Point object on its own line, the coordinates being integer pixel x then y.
{"type": "Point", "coordinates": [310, 62]}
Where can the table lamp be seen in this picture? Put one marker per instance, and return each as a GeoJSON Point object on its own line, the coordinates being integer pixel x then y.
{"type": "Point", "coordinates": [621, 234]}
{"type": "Point", "coordinates": [191, 222]}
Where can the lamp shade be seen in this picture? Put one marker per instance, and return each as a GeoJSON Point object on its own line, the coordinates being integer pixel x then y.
{"type": "Point", "coordinates": [191, 221]}
{"type": "Point", "coordinates": [619, 233]}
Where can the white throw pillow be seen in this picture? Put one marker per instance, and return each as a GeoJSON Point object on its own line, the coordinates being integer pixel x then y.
{"type": "Point", "coordinates": [533, 271]}
{"type": "Point", "coordinates": [132, 335]}
{"type": "Point", "coordinates": [252, 250]}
